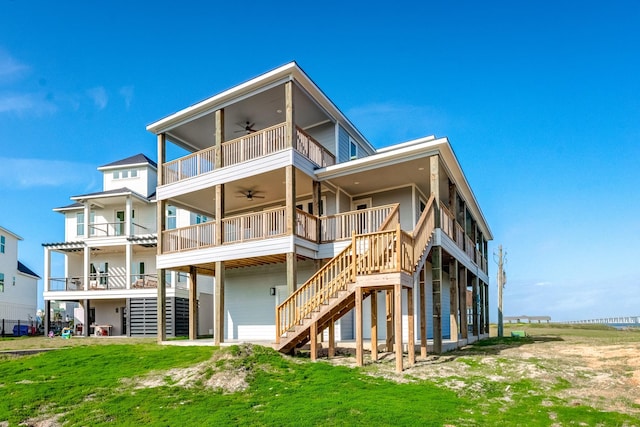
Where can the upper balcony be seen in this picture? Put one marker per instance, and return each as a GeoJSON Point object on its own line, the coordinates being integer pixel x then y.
{"type": "Point", "coordinates": [248, 147]}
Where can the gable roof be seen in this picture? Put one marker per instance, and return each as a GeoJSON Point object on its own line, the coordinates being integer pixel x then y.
{"type": "Point", "coordinates": [4, 230]}
{"type": "Point", "coordinates": [138, 159]}
{"type": "Point", "coordinates": [26, 270]}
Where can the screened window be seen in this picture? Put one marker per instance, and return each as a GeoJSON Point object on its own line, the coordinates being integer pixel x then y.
{"type": "Point", "coordinates": [171, 217]}
{"type": "Point", "coordinates": [2, 244]}
{"type": "Point", "coordinates": [80, 224]}
{"type": "Point", "coordinates": [353, 149]}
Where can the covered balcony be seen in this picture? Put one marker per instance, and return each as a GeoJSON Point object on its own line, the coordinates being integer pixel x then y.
{"type": "Point", "coordinates": [249, 147]}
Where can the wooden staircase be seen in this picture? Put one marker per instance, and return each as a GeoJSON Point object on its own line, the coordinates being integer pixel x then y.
{"type": "Point", "coordinates": [330, 293]}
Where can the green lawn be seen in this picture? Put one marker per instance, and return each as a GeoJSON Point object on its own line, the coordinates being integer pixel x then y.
{"type": "Point", "coordinates": [120, 382]}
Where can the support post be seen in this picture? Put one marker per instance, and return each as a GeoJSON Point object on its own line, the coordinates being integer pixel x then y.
{"type": "Point", "coordinates": [397, 320]}
{"type": "Point", "coordinates": [464, 324]}
{"type": "Point", "coordinates": [423, 311]}
{"type": "Point", "coordinates": [290, 182]}
{"type": "Point", "coordinates": [474, 309]}
{"type": "Point", "coordinates": [332, 338]}
{"type": "Point", "coordinates": [162, 305]}
{"type": "Point", "coordinates": [411, 345]}
{"type": "Point", "coordinates": [85, 317]}
{"type": "Point", "coordinates": [193, 303]}
{"type": "Point", "coordinates": [374, 326]}
{"type": "Point", "coordinates": [218, 324]}
{"type": "Point", "coordinates": [289, 113]}
{"type": "Point", "coordinates": [313, 338]}
{"type": "Point", "coordinates": [389, 318]}
{"type": "Point", "coordinates": [453, 299]}
{"type": "Point", "coordinates": [219, 138]}
{"type": "Point", "coordinates": [436, 285]}
{"type": "Point", "coordinates": [359, 347]}
{"type": "Point", "coordinates": [317, 198]}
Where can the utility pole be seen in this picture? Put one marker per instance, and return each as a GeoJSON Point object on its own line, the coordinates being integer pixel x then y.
{"type": "Point", "coordinates": [502, 279]}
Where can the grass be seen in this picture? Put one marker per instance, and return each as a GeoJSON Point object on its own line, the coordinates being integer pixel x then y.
{"type": "Point", "coordinates": [99, 382]}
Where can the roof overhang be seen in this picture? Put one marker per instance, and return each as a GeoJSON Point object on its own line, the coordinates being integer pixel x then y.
{"type": "Point", "coordinates": [14, 235]}
{"type": "Point", "coordinates": [282, 74]}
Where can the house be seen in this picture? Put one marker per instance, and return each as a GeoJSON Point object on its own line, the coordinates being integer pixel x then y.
{"type": "Point", "coordinates": [109, 252]}
{"type": "Point", "coordinates": [18, 285]}
{"type": "Point", "coordinates": [314, 230]}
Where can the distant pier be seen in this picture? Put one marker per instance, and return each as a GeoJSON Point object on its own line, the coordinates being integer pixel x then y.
{"type": "Point", "coordinates": [631, 320]}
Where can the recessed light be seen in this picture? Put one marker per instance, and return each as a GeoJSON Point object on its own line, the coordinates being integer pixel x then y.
{"type": "Point", "coordinates": [420, 168]}
{"type": "Point", "coordinates": [279, 111]}
{"type": "Point", "coordinates": [356, 182]}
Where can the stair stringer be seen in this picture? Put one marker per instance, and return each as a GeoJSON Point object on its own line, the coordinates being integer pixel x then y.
{"type": "Point", "coordinates": [337, 307]}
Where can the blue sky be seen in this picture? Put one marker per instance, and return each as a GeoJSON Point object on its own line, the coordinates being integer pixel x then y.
{"type": "Point", "coordinates": [540, 100]}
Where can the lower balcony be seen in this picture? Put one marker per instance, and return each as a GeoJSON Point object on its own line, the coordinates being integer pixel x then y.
{"type": "Point", "coordinates": [104, 282]}
{"type": "Point", "coordinates": [271, 223]}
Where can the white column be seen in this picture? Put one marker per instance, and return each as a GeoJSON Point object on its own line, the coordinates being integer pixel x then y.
{"type": "Point", "coordinates": [128, 249]}
{"type": "Point", "coordinates": [47, 272]}
{"type": "Point", "coordinates": [127, 218]}
{"type": "Point", "coordinates": [87, 212]}
{"type": "Point", "coordinates": [85, 267]}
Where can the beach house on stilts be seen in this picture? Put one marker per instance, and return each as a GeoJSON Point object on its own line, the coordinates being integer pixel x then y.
{"type": "Point", "coordinates": [313, 231]}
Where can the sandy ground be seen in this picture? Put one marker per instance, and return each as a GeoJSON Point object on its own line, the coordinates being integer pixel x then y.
{"type": "Point", "coordinates": [596, 373]}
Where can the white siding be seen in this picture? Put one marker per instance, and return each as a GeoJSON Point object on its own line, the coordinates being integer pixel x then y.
{"type": "Point", "coordinates": [249, 306]}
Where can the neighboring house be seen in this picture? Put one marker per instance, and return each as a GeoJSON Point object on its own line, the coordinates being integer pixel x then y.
{"type": "Point", "coordinates": [18, 284]}
{"type": "Point", "coordinates": [309, 220]}
{"type": "Point", "coordinates": [110, 257]}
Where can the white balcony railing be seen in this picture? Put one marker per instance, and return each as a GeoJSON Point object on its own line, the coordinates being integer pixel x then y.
{"type": "Point", "coordinates": [245, 148]}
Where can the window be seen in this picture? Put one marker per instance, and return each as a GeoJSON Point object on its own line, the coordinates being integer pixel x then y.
{"type": "Point", "coordinates": [1, 282]}
{"type": "Point", "coordinates": [80, 224]}
{"type": "Point", "coordinates": [198, 219]}
{"type": "Point", "coordinates": [171, 217]}
{"type": "Point", "coordinates": [423, 206]}
{"type": "Point", "coordinates": [128, 173]}
{"type": "Point", "coordinates": [2, 244]}
{"type": "Point", "coordinates": [353, 149]}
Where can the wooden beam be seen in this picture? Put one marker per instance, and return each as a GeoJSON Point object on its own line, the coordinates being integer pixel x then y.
{"type": "Point", "coordinates": [436, 290]}
{"type": "Point", "coordinates": [193, 303]}
{"type": "Point", "coordinates": [474, 309]}
{"type": "Point", "coordinates": [389, 318]}
{"type": "Point", "coordinates": [411, 345]}
{"type": "Point", "coordinates": [162, 306]}
{"type": "Point", "coordinates": [317, 198]}
{"type": "Point", "coordinates": [313, 338]}
{"type": "Point", "coordinates": [434, 167]}
{"type": "Point", "coordinates": [162, 158]}
{"type": "Point", "coordinates": [289, 113]}
{"type": "Point", "coordinates": [374, 326]}
{"type": "Point", "coordinates": [219, 138]}
{"type": "Point", "coordinates": [332, 338]}
{"type": "Point", "coordinates": [290, 183]}
{"type": "Point", "coordinates": [423, 311]}
{"type": "Point", "coordinates": [219, 213]}
{"type": "Point", "coordinates": [359, 346]}
{"type": "Point", "coordinates": [397, 320]}
{"type": "Point", "coordinates": [218, 302]}
{"type": "Point", "coordinates": [464, 324]}
{"type": "Point", "coordinates": [453, 299]}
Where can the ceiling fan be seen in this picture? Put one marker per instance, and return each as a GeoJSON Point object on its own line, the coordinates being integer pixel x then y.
{"type": "Point", "coordinates": [249, 195]}
{"type": "Point", "coordinates": [247, 127]}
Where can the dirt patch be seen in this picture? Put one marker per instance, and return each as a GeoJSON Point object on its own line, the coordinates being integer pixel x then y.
{"type": "Point", "coordinates": [218, 373]}
{"type": "Point", "coordinates": [603, 376]}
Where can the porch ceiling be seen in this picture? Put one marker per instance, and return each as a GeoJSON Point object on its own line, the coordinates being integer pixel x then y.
{"type": "Point", "coordinates": [269, 188]}
{"type": "Point", "coordinates": [376, 178]}
{"type": "Point", "coordinates": [263, 109]}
